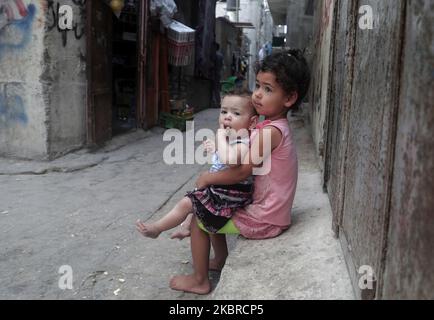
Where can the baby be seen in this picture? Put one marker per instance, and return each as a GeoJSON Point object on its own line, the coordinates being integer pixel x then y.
{"type": "Point", "coordinates": [214, 205]}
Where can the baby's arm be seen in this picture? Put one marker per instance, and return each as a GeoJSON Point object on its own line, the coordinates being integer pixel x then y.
{"type": "Point", "coordinates": [262, 146]}
{"type": "Point", "coordinates": [232, 175]}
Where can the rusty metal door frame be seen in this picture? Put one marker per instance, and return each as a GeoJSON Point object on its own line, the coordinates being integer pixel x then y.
{"type": "Point", "coordinates": [90, 129]}
{"type": "Point", "coordinates": [96, 119]}
{"type": "Point", "coordinates": [330, 99]}
{"type": "Point", "coordinates": [143, 31]}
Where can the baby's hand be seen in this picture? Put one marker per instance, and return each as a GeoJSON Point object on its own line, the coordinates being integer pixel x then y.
{"type": "Point", "coordinates": [209, 146]}
{"type": "Point", "coordinates": [224, 131]}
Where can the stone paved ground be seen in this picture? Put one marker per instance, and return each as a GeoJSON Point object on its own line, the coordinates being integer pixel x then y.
{"type": "Point", "coordinates": [80, 210]}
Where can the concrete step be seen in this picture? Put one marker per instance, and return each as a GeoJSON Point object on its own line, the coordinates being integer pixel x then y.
{"type": "Point", "coordinates": [306, 262]}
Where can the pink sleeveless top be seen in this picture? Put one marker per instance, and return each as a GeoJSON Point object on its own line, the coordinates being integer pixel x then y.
{"type": "Point", "coordinates": [270, 213]}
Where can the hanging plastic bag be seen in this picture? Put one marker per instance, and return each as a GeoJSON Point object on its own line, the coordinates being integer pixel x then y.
{"type": "Point", "coordinates": [165, 9]}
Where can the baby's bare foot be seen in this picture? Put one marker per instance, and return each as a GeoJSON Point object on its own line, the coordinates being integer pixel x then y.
{"type": "Point", "coordinates": [181, 234]}
{"type": "Point", "coordinates": [148, 230]}
{"type": "Point", "coordinates": [190, 284]}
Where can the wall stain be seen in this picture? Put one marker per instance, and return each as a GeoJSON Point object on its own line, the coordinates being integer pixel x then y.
{"type": "Point", "coordinates": [12, 111]}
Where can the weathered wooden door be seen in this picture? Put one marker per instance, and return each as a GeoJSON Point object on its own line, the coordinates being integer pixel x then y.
{"type": "Point", "coordinates": [99, 66]}
{"type": "Point", "coordinates": [142, 65]}
{"type": "Point", "coordinates": [379, 168]}
{"type": "Point", "coordinates": [339, 106]}
{"type": "Point", "coordinates": [371, 141]}
{"type": "Point", "coordinates": [153, 87]}
{"type": "Point", "coordinates": [409, 261]}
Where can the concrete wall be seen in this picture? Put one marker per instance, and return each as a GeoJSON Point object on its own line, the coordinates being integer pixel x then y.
{"type": "Point", "coordinates": [374, 113]}
{"type": "Point", "coordinates": [322, 46]}
{"type": "Point", "coordinates": [299, 25]}
{"type": "Point", "coordinates": [251, 12]}
{"type": "Point", "coordinates": [254, 12]}
{"type": "Point", "coordinates": [23, 111]}
{"type": "Point", "coordinates": [220, 9]}
{"type": "Point", "coordinates": [42, 80]}
{"type": "Point", "coordinates": [267, 26]}
{"type": "Point", "coordinates": [229, 37]}
{"type": "Point", "coordinates": [64, 79]}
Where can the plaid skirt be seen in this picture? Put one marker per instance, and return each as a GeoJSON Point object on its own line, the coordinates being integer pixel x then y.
{"type": "Point", "coordinates": [215, 205]}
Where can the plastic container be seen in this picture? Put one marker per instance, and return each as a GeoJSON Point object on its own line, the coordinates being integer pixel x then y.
{"type": "Point", "coordinates": [180, 33]}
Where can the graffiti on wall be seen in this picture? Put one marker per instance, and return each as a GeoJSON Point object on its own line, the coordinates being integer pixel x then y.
{"type": "Point", "coordinates": [16, 20]}
{"type": "Point", "coordinates": [61, 18]}
{"type": "Point", "coordinates": [12, 111]}
{"type": "Point", "coordinates": [12, 10]}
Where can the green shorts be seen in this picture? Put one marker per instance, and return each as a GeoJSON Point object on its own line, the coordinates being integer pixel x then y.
{"type": "Point", "coordinates": [228, 228]}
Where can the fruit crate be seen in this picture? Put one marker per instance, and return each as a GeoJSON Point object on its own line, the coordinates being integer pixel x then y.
{"type": "Point", "coordinates": [180, 53]}
{"type": "Point", "coordinates": [172, 121]}
{"type": "Point", "coordinates": [180, 43]}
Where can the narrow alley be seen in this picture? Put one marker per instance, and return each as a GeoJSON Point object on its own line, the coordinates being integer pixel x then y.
{"type": "Point", "coordinates": [80, 211]}
{"type": "Point", "coordinates": [90, 89]}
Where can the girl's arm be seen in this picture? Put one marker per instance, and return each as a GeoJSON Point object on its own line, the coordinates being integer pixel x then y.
{"type": "Point", "coordinates": [264, 143]}
{"type": "Point", "coordinates": [229, 176]}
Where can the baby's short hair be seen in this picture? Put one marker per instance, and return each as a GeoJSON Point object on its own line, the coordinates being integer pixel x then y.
{"type": "Point", "coordinates": [243, 93]}
{"type": "Point", "coordinates": [240, 92]}
{"type": "Point", "coordinates": [291, 70]}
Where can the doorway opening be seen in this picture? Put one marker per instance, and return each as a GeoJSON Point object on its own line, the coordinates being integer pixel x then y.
{"type": "Point", "coordinates": [116, 64]}
{"type": "Point", "coordinates": [125, 68]}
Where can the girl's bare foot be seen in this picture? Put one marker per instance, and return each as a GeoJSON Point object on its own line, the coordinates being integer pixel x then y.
{"type": "Point", "coordinates": [190, 284]}
{"type": "Point", "coordinates": [215, 265]}
{"type": "Point", "coordinates": [148, 230]}
{"type": "Point", "coordinates": [181, 233]}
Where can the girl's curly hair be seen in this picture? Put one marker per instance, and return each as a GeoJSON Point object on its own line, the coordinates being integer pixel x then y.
{"type": "Point", "coordinates": [291, 70]}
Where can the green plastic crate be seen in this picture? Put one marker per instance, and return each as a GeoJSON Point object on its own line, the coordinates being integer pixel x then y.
{"type": "Point", "coordinates": [229, 84]}
{"type": "Point", "coordinates": [171, 121]}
